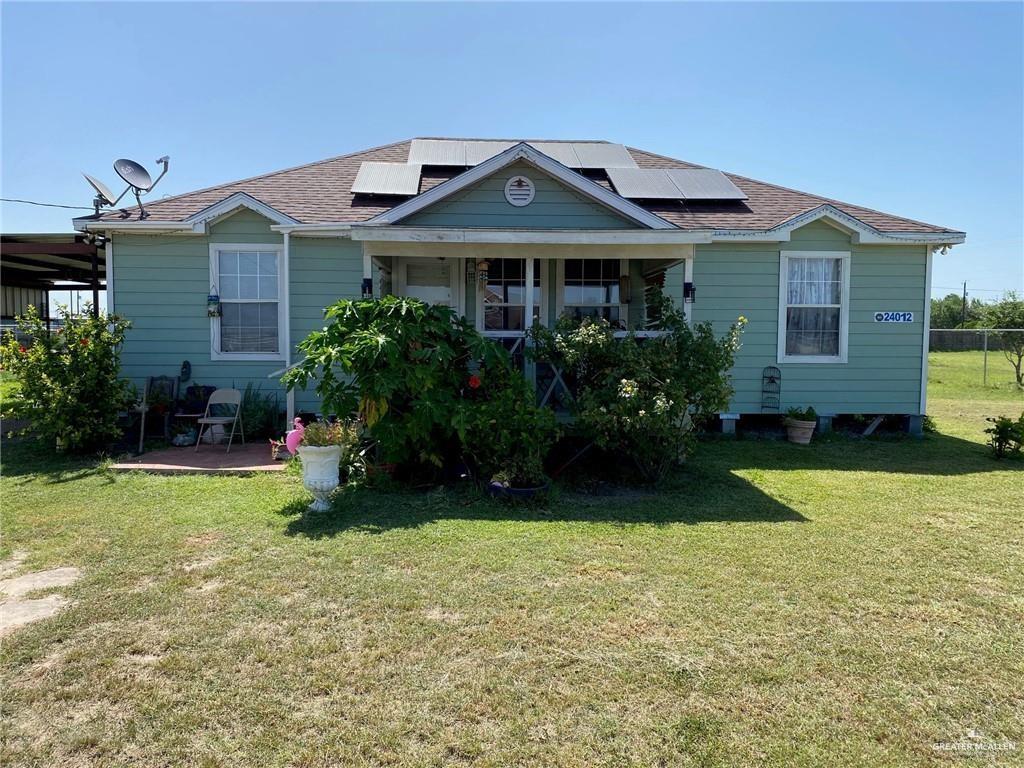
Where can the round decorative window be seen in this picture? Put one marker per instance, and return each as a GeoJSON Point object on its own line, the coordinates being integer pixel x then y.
{"type": "Point", "coordinates": [519, 191]}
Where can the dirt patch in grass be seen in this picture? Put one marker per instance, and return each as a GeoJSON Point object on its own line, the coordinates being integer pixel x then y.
{"type": "Point", "coordinates": [204, 539]}
{"type": "Point", "coordinates": [17, 610]}
{"type": "Point", "coordinates": [202, 563]}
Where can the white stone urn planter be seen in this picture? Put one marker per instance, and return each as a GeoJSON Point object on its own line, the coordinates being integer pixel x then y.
{"type": "Point", "coordinates": [799, 431]}
{"type": "Point", "coordinates": [320, 474]}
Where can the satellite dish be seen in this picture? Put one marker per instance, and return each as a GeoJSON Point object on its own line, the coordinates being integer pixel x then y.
{"type": "Point", "coordinates": [134, 174]}
{"type": "Point", "coordinates": [138, 179]}
{"type": "Point", "coordinates": [106, 197]}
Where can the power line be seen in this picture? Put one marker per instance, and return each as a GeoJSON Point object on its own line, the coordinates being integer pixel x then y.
{"type": "Point", "coordinates": [47, 205]}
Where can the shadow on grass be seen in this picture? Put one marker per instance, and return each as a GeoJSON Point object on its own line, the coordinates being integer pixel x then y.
{"type": "Point", "coordinates": [698, 494]}
{"type": "Point", "coordinates": [28, 459]}
{"type": "Point", "coordinates": [710, 489]}
{"type": "Point", "coordinates": [934, 454]}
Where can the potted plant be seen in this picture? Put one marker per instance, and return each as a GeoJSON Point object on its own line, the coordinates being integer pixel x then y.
{"type": "Point", "coordinates": [800, 424]}
{"type": "Point", "coordinates": [322, 447]}
{"type": "Point", "coordinates": [521, 478]}
{"type": "Point", "coordinates": [507, 436]}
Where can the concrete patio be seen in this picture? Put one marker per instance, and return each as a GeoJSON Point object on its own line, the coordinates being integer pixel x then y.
{"type": "Point", "coordinates": [247, 459]}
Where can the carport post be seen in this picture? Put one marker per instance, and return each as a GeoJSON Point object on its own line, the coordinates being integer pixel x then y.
{"type": "Point", "coordinates": [95, 282]}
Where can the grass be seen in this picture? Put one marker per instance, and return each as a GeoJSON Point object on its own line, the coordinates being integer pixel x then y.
{"type": "Point", "coordinates": [847, 604]}
{"type": "Point", "coordinates": [958, 397]}
{"type": "Point", "coordinates": [9, 386]}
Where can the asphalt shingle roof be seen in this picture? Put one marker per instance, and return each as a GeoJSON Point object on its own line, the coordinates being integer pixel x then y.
{"type": "Point", "coordinates": [320, 192]}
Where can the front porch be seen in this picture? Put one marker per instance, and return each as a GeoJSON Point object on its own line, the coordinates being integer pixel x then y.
{"type": "Point", "coordinates": [487, 283]}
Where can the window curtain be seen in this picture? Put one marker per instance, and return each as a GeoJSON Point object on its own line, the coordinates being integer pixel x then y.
{"type": "Point", "coordinates": [815, 281]}
{"type": "Point", "coordinates": [813, 330]}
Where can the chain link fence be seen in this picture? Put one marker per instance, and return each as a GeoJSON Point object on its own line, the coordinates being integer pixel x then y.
{"type": "Point", "coordinates": [983, 348]}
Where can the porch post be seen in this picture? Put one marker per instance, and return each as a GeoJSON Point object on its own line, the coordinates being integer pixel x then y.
{"type": "Point", "coordinates": [528, 368]}
{"type": "Point", "coordinates": [368, 289]}
{"type": "Point", "coordinates": [287, 294]}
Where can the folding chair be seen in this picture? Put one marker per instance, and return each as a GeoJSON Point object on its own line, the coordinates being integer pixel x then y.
{"type": "Point", "coordinates": [224, 397]}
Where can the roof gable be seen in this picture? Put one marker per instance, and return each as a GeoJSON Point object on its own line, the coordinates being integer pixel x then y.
{"type": "Point", "coordinates": [554, 206]}
{"type": "Point", "coordinates": [524, 154]}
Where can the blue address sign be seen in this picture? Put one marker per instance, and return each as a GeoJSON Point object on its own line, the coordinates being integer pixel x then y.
{"type": "Point", "coordinates": [894, 317]}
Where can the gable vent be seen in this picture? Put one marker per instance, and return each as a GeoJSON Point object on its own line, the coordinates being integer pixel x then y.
{"type": "Point", "coordinates": [519, 191]}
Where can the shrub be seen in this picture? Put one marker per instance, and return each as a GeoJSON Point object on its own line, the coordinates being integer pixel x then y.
{"type": "Point", "coordinates": [504, 433]}
{"type": "Point", "coordinates": [400, 365]}
{"type": "Point", "coordinates": [640, 397]}
{"type": "Point", "coordinates": [1006, 436]}
{"type": "Point", "coordinates": [70, 390]}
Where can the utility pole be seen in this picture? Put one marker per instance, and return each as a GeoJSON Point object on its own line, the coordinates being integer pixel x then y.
{"type": "Point", "coordinates": [963, 308]}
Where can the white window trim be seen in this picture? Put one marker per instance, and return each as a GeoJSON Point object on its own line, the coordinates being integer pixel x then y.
{"type": "Point", "coordinates": [561, 305]}
{"type": "Point", "coordinates": [539, 310]}
{"type": "Point", "coordinates": [282, 303]}
{"type": "Point", "coordinates": [844, 309]}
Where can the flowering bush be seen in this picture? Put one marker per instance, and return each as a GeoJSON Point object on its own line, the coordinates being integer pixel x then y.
{"type": "Point", "coordinates": [640, 397]}
{"type": "Point", "coordinates": [70, 390]}
{"type": "Point", "coordinates": [504, 433]}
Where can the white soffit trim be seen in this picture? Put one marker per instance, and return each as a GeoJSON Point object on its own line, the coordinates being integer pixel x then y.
{"type": "Point", "coordinates": [860, 232]}
{"type": "Point", "coordinates": [197, 224]}
{"type": "Point", "coordinates": [393, 234]}
{"type": "Point", "coordinates": [539, 160]}
{"type": "Point", "coordinates": [147, 226]}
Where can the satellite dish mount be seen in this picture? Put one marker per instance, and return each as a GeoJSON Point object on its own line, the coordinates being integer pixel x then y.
{"type": "Point", "coordinates": [135, 175]}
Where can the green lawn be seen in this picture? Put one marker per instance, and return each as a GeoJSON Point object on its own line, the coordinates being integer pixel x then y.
{"type": "Point", "coordinates": [957, 397]}
{"type": "Point", "coordinates": [850, 603]}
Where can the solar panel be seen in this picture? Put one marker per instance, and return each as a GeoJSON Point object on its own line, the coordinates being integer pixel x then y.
{"type": "Point", "coordinates": [704, 184]}
{"type": "Point", "coordinates": [437, 152]}
{"type": "Point", "coordinates": [387, 179]}
{"type": "Point", "coordinates": [599, 155]}
{"type": "Point", "coordinates": [478, 151]}
{"type": "Point", "coordinates": [562, 151]}
{"type": "Point", "coordinates": [643, 183]}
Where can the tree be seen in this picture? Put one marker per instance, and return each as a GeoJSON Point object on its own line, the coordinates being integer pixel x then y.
{"type": "Point", "coordinates": [70, 389]}
{"type": "Point", "coordinates": [947, 312]}
{"type": "Point", "coordinates": [1009, 314]}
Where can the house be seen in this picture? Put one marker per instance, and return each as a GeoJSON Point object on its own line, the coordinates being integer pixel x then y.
{"type": "Point", "coordinates": [836, 295]}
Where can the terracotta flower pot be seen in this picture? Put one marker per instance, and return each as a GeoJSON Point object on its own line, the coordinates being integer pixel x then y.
{"type": "Point", "coordinates": [800, 432]}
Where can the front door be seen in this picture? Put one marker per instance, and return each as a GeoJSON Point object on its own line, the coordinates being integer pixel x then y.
{"type": "Point", "coordinates": [435, 281]}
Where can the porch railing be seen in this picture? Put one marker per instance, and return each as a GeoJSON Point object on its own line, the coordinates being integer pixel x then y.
{"type": "Point", "coordinates": [553, 386]}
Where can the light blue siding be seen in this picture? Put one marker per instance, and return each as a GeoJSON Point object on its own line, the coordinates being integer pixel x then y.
{"type": "Point", "coordinates": [554, 206]}
{"type": "Point", "coordinates": [883, 374]}
{"type": "Point", "coordinates": [322, 271]}
{"type": "Point", "coordinates": [161, 284]}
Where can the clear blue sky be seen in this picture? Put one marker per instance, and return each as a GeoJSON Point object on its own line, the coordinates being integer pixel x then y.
{"type": "Point", "coordinates": [914, 109]}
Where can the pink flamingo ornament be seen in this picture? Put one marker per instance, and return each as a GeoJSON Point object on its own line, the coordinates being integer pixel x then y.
{"type": "Point", "coordinates": [294, 437]}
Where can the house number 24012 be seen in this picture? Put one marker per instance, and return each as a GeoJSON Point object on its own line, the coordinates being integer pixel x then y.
{"type": "Point", "coordinates": [894, 317]}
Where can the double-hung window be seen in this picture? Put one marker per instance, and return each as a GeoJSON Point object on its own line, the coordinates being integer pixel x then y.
{"type": "Point", "coordinates": [504, 296]}
{"type": "Point", "coordinates": [251, 323]}
{"type": "Point", "coordinates": [814, 291]}
{"type": "Point", "coordinates": [590, 288]}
